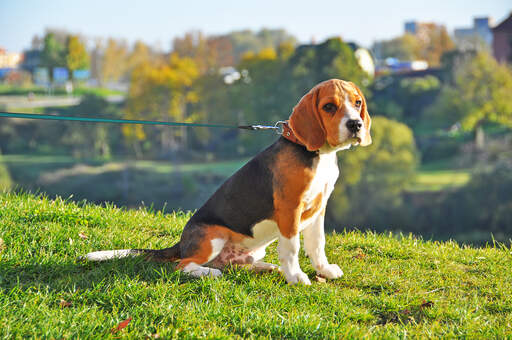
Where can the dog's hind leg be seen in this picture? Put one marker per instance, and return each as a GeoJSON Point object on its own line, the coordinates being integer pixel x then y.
{"type": "Point", "coordinates": [200, 245]}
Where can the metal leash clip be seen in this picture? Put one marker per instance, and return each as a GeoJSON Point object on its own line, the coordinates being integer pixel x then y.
{"type": "Point", "coordinates": [278, 127]}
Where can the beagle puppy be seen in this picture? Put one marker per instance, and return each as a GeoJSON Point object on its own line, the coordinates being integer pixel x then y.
{"type": "Point", "coordinates": [280, 193]}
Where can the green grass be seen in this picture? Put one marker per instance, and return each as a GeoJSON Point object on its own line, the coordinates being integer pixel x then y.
{"type": "Point", "coordinates": [437, 180]}
{"type": "Point", "coordinates": [35, 162]}
{"type": "Point", "coordinates": [8, 90]}
{"type": "Point", "coordinates": [393, 287]}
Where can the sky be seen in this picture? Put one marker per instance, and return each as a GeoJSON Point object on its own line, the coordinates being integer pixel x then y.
{"type": "Point", "coordinates": [157, 22]}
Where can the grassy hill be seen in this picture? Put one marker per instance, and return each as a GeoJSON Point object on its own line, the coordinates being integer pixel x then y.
{"type": "Point", "coordinates": [393, 287]}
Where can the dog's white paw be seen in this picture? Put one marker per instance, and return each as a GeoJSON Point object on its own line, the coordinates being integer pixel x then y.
{"type": "Point", "coordinates": [200, 271]}
{"type": "Point", "coordinates": [299, 277]}
{"type": "Point", "coordinates": [330, 271]}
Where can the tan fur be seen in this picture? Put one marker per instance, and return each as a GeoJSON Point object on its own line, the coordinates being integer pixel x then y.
{"type": "Point", "coordinates": [294, 179]}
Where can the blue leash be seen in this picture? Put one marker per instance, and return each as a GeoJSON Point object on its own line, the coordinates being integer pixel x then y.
{"type": "Point", "coordinates": [276, 127]}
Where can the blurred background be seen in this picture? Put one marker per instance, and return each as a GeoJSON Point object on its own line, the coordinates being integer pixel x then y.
{"type": "Point", "coordinates": [437, 77]}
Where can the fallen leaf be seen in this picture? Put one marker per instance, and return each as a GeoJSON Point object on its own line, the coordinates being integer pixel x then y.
{"type": "Point", "coordinates": [320, 279]}
{"type": "Point", "coordinates": [405, 311]}
{"type": "Point", "coordinates": [121, 325]}
{"type": "Point", "coordinates": [2, 245]}
{"type": "Point", "coordinates": [64, 304]}
{"type": "Point", "coordinates": [426, 304]}
{"type": "Point", "coordinates": [360, 254]}
{"type": "Point", "coordinates": [82, 236]}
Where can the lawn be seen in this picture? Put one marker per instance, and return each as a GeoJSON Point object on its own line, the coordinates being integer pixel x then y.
{"type": "Point", "coordinates": [437, 180]}
{"type": "Point", "coordinates": [8, 90]}
{"type": "Point", "coordinates": [393, 287]}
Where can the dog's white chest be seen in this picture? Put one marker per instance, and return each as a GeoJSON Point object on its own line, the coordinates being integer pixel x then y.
{"type": "Point", "coordinates": [326, 174]}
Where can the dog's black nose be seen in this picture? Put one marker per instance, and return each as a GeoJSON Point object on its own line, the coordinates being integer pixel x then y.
{"type": "Point", "coordinates": [354, 125]}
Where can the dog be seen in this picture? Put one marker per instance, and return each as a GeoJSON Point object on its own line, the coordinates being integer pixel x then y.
{"type": "Point", "coordinates": [280, 193]}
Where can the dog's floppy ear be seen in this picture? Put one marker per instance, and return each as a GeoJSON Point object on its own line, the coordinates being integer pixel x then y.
{"type": "Point", "coordinates": [305, 122]}
{"type": "Point", "coordinates": [367, 139]}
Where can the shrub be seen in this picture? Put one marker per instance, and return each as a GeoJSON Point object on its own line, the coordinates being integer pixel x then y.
{"type": "Point", "coordinates": [372, 179]}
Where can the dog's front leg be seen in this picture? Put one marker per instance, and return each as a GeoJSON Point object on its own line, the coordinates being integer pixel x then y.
{"type": "Point", "coordinates": [314, 244]}
{"type": "Point", "coordinates": [289, 257]}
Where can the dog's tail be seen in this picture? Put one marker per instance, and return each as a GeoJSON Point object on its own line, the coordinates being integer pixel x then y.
{"type": "Point", "coordinates": [161, 255]}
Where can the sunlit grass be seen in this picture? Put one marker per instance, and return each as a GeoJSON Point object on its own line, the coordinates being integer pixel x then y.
{"type": "Point", "coordinates": [436, 180]}
{"type": "Point", "coordinates": [393, 287]}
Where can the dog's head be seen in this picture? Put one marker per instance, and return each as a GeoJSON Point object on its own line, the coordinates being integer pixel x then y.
{"type": "Point", "coordinates": [332, 114]}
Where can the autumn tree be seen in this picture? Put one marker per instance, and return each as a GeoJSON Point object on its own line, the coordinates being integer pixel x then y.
{"type": "Point", "coordinates": [115, 61]}
{"type": "Point", "coordinates": [429, 45]}
{"type": "Point", "coordinates": [162, 90]}
{"type": "Point", "coordinates": [405, 47]}
{"type": "Point", "coordinates": [140, 54]}
{"type": "Point", "coordinates": [479, 94]}
{"type": "Point", "coordinates": [194, 45]}
{"type": "Point", "coordinates": [76, 55]}
{"type": "Point", "coordinates": [438, 42]}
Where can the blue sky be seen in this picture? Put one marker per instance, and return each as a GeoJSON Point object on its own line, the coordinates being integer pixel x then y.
{"type": "Point", "coordinates": [157, 22]}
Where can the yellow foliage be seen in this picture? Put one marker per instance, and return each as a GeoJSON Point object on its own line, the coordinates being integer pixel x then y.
{"type": "Point", "coordinates": [161, 90]}
{"type": "Point", "coordinates": [77, 57]}
{"type": "Point", "coordinates": [265, 54]}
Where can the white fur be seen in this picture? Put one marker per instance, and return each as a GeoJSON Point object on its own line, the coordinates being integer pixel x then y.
{"type": "Point", "coordinates": [314, 244]}
{"type": "Point", "coordinates": [346, 139]}
{"type": "Point", "coordinates": [196, 270]}
{"type": "Point", "coordinates": [110, 254]}
{"type": "Point", "coordinates": [217, 245]}
{"type": "Point", "coordinates": [289, 257]}
{"type": "Point", "coordinates": [264, 233]}
{"type": "Point", "coordinates": [267, 231]}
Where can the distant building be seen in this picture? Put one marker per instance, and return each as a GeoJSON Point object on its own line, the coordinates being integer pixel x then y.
{"type": "Point", "coordinates": [410, 27]}
{"type": "Point", "coordinates": [474, 38]}
{"type": "Point", "coordinates": [502, 41]}
{"type": "Point", "coordinates": [31, 60]}
{"type": "Point", "coordinates": [9, 59]}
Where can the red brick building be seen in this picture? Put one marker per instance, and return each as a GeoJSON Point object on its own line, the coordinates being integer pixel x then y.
{"type": "Point", "coordinates": [502, 41]}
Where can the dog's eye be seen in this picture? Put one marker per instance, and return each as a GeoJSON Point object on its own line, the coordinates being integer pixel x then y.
{"type": "Point", "coordinates": [331, 108]}
{"type": "Point", "coordinates": [358, 103]}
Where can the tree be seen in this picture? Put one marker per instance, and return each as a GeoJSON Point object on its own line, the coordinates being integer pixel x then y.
{"type": "Point", "coordinates": [162, 90]}
{"type": "Point", "coordinates": [480, 94]}
{"type": "Point", "coordinates": [247, 40]}
{"type": "Point", "coordinates": [373, 179]}
{"type": "Point", "coordinates": [405, 47]}
{"type": "Point", "coordinates": [91, 140]}
{"type": "Point", "coordinates": [437, 43]}
{"type": "Point", "coordinates": [311, 64]}
{"type": "Point", "coordinates": [194, 45]}
{"type": "Point", "coordinates": [53, 54]}
{"type": "Point", "coordinates": [140, 54]}
{"type": "Point", "coordinates": [115, 61]}
{"type": "Point", "coordinates": [430, 45]}
{"type": "Point", "coordinates": [404, 99]}
{"type": "Point", "coordinates": [76, 55]}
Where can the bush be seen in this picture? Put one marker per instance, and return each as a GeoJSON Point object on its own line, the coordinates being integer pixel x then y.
{"type": "Point", "coordinates": [369, 192]}
{"type": "Point", "coordinates": [484, 204]}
